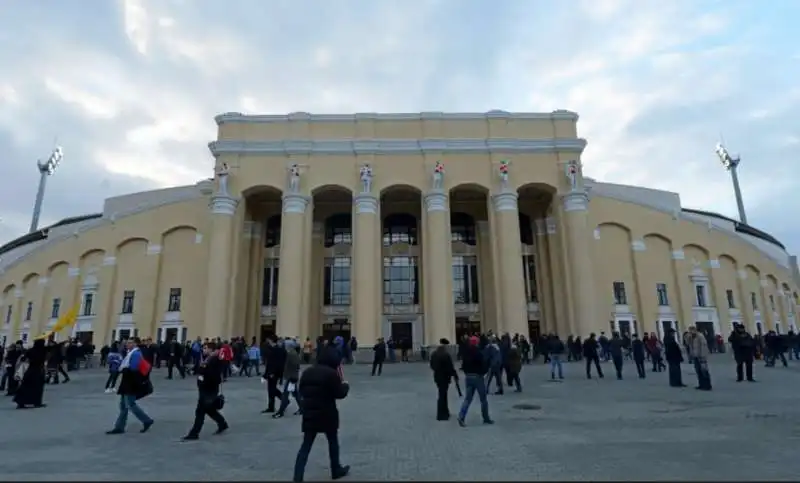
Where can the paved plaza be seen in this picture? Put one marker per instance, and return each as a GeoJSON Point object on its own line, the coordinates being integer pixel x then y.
{"type": "Point", "coordinates": [575, 430]}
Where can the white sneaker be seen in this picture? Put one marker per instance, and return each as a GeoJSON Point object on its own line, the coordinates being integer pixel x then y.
{"type": "Point", "coordinates": [109, 390]}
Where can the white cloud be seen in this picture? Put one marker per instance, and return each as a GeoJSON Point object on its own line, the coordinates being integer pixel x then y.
{"type": "Point", "coordinates": [655, 83]}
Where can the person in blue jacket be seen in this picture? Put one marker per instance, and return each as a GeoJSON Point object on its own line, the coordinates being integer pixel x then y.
{"type": "Point", "coordinates": [133, 386]}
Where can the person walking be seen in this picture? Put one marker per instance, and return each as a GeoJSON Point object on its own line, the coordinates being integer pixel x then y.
{"type": "Point", "coordinates": [378, 356]}
{"type": "Point", "coordinates": [291, 374]}
{"type": "Point", "coordinates": [699, 351]}
{"type": "Point", "coordinates": [209, 398]}
{"type": "Point", "coordinates": [113, 360]}
{"type": "Point", "coordinates": [475, 367]}
{"type": "Point", "coordinates": [320, 388]}
{"type": "Point", "coordinates": [444, 371]}
{"type": "Point", "coordinates": [135, 385]}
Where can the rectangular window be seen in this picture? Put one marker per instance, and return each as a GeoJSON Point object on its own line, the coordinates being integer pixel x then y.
{"type": "Point", "coordinates": [88, 299]}
{"type": "Point", "coordinates": [661, 294]}
{"type": "Point", "coordinates": [729, 297]}
{"type": "Point", "coordinates": [400, 275]}
{"type": "Point", "coordinates": [772, 302]}
{"type": "Point", "coordinates": [174, 300]}
{"type": "Point", "coordinates": [620, 298]}
{"type": "Point", "coordinates": [8, 314]}
{"type": "Point", "coordinates": [465, 280]}
{"type": "Point", "coordinates": [700, 292]}
{"type": "Point", "coordinates": [29, 312]}
{"type": "Point", "coordinates": [56, 308]}
{"type": "Point", "coordinates": [754, 301]}
{"type": "Point", "coordinates": [128, 298]}
{"type": "Point", "coordinates": [337, 281]}
{"type": "Point", "coordinates": [269, 289]}
{"type": "Point", "coordinates": [529, 272]}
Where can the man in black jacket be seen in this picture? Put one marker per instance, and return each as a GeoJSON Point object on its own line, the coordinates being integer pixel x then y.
{"type": "Point", "coordinates": [443, 372]}
{"type": "Point", "coordinates": [175, 358]}
{"type": "Point", "coordinates": [378, 356]}
{"type": "Point", "coordinates": [614, 349]}
{"type": "Point", "coordinates": [209, 378]}
{"type": "Point", "coordinates": [744, 349]}
{"type": "Point", "coordinates": [320, 388]}
{"type": "Point", "coordinates": [591, 356]}
{"type": "Point", "coordinates": [637, 348]}
{"type": "Point", "coordinates": [475, 367]}
{"type": "Point", "coordinates": [273, 373]}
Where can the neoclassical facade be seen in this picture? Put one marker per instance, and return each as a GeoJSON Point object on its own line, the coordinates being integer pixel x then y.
{"type": "Point", "coordinates": [414, 226]}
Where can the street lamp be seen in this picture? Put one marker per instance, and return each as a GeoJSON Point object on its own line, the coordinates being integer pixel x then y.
{"type": "Point", "coordinates": [46, 169]}
{"type": "Point", "coordinates": [731, 163]}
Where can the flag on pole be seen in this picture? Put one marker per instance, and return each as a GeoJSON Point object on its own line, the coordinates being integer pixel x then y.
{"type": "Point", "coordinates": [65, 321]}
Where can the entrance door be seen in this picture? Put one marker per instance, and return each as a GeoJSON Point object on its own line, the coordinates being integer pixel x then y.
{"type": "Point", "coordinates": [466, 328]}
{"type": "Point", "coordinates": [665, 327]}
{"type": "Point", "coordinates": [86, 337]}
{"type": "Point", "coordinates": [171, 333]}
{"type": "Point", "coordinates": [534, 330]}
{"type": "Point", "coordinates": [707, 328]}
{"type": "Point", "coordinates": [403, 333]}
{"type": "Point", "coordinates": [123, 334]}
{"type": "Point", "coordinates": [337, 328]}
{"type": "Point", "coordinates": [624, 328]}
{"type": "Point", "coordinates": [267, 330]}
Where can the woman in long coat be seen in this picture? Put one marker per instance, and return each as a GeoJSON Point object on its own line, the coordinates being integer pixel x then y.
{"type": "Point", "coordinates": [31, 387]}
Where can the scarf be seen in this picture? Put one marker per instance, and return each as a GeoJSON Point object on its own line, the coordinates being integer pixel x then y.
{"type": "Point", "coordinates": [126, 362]}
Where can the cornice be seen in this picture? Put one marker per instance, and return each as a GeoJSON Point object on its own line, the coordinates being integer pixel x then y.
{"type": "Point", "coordinates": [396, 146]}
{"type": "Point", "coordinates": [238, 117]}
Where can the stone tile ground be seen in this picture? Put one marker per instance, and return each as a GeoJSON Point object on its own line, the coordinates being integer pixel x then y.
{"type": "Point", "coordinates": [598, 429]}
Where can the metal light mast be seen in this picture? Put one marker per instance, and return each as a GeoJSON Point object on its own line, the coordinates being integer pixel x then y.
{"type": "Point", "coordinates": [46, 169]}
{"type": "Point", "coordinates": [731, 163]}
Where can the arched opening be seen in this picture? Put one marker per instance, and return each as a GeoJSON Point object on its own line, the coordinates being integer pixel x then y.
{"type": "Point", "coordinates": [400, 228]}
{"type": "Point", "coordinates": [534, 201]}
{"type": "Point", "coordinates": [462, 228]}
{"type": "Point", "coordinates": [339, 230]}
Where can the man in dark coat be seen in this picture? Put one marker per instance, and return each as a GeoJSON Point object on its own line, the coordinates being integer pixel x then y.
{"type": "Point", "coordinates": [378, 356]}
{"type": "Point", "coordinates": [744, 350]}
{"type": "Point", "coordinates": [672, 352]}
{"type": "Point", "coordinates": [638, 350]}
{"type": "Point", "coordinates": [209, 378]}
{"type": "Point", "coordinates": [444, 371]}
{"type": "Point", "coordinates": [320, 388]}
{"type": "Point", "coordinates": [591, 356]}
{"type": "Point", "coordinates": [614, 350]}
{"type": "Point", "coordinates": [273, 373]}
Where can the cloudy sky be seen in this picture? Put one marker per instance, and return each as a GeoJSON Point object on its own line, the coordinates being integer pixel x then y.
{"type": "Point", "coordinates": [129, 88]}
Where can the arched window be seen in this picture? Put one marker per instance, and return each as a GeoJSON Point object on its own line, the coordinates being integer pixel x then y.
{"type": "Point", "coordinates": [525, 229]}
{"type": "Point", "coordinates": [338, 230]}
{"type": "Point", "coordinates": [399, 228]}
{"type": "Point", "coordinates": [462, 228]}
{"type": "Point", "coordinates": [273, 237]}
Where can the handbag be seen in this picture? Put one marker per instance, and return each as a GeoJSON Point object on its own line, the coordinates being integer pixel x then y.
{"type": "Point", "coordinates": [145, 389]}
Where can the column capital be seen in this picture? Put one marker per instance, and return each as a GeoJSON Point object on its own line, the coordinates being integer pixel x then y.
{"type": "Point", "coordinates": [505, 201]}
{"type": "Point", "coordinates": [436, 200]}
{"type": "Point", "coordinates": [366, 203]}
{"type": "Point", "coordinates": [295, 203]}
{"type": "Point", "coordinates": [223, 204]}
{"type": "Point", "coordinates": [575, 201]}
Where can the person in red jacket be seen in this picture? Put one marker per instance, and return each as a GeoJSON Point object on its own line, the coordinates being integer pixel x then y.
{"type": "Point", "coordinates": [225, 358]}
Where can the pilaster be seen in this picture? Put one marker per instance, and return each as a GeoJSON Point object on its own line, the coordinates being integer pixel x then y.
{"type": "Point", "coordinates": [106, 281]}
{"type": "Point", "coordinates": [220, 257]}
{"type": "Point", "coordinates": [544, 279]}
{"type": "Point", "coordinates": [487, 270]}
{"type": "Point", "coordinates": [439, 317]}
{"type": "Point", "coordinates": [316, 275]}
{"type": "Point", "coordinates": [293, 249]}
{"type": "Point", "coordinates": [366, 306]}
{"type": "Point", "coordinates": [17, 315]}
{"type": "Point", "coordinates": [512, 283]}
{"type": "Point", "coordinates": [147, 310]}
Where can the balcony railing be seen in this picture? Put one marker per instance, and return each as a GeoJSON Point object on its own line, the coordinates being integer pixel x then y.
{"type": "Point", "coordinates": [269, 310]}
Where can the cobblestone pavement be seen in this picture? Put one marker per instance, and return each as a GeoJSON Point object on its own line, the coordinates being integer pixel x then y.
{"type": "Point", "coordinates": [579, 429]}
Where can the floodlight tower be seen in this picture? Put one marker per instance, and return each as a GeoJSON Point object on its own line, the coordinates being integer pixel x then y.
{"type": "Point", "coordinates": [731, 163]}
{"type": "Point", "coordinates": [46, 169]}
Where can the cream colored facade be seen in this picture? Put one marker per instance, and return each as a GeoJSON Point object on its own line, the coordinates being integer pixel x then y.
{"type": "Point", "coordinates": [294, 236]}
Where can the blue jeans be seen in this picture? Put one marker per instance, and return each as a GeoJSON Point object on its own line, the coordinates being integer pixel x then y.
{"type": "Point", "coordinates": [555, 362]}
{"type": "Point", "coordinates": [474, 383]}
{"type": "Point", "coordinates": [128, 403]}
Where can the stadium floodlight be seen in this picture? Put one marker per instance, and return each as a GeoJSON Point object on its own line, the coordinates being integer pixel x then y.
{"type": "Point", "coordinates": [46, 169]}
{"type": "Point", "coordinates": [731, 163]}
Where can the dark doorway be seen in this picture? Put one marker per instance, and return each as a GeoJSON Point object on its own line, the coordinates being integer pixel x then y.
{"type": "Point", "coordinates": [759, 328]}
{"type": "Point", "coordinates": [85, 337]}
{"type": "Point", "coordinates": [666, 326]}
{"type": "Point", "coordinates": [403, 331]}
{"type": "Point", "coordinates": [337, 328]}
{"type": "Point", "coordinates": [267, 330]}
{"type": "Point", "coordinates": [707, 329]}
{"type": "Point", "coordinates": [466, 328]}
{"type": "Point", "coordinates": [625, 328]}
{"type": "Point", "coordinates": [171, 334]}
{"type": "Point", "coordinates": [534, 330]}
{"type": "Point", "coordinates": [123, 334]}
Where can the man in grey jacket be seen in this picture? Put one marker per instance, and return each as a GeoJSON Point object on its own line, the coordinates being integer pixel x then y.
{"type": "Point", "coordinates": [291, 376]}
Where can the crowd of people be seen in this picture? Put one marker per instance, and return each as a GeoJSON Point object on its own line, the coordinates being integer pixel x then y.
{"type": "Point", "coordinates": [484, 359]}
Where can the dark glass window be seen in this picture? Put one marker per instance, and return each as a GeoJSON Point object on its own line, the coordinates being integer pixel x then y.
{"type": "Point", "coordinates": [462, 228]}
{"type": "Point", "coordinates": [529, 271]}
{"type": "Point", "coordinates": [620, 297]}
{"type": "Point", "coordinates": [174, 300]}
{"type": "Point", "coordinates": [525, 229]}
{"type": "Point", "coordinates": [337, 281]}
{"type": "Point", "coordinates": [88, 301]}
{"type": "Point", "coordinates": [730, 298]}
{"type": "Point", "coordinates": [661, 294]}
{"type": "Point", "coordinates": [29, 311]}
{"type": "Point", "coordinates": [56, 308]}
{"type": "Point", "coordinates": [269, 290]}
{"type": "Point", "coordinates": [339, 230]}
{"type": "Point", "coordinates": [465, 280]}
{"type": "Point", "coordinates": [399, 228]}
{"type": "Point", "coordinates": [400, 275]}
{"type": "Point", "coordinates": [273, 234]}
{"type": "Point", "coordinates": [128, 298]}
